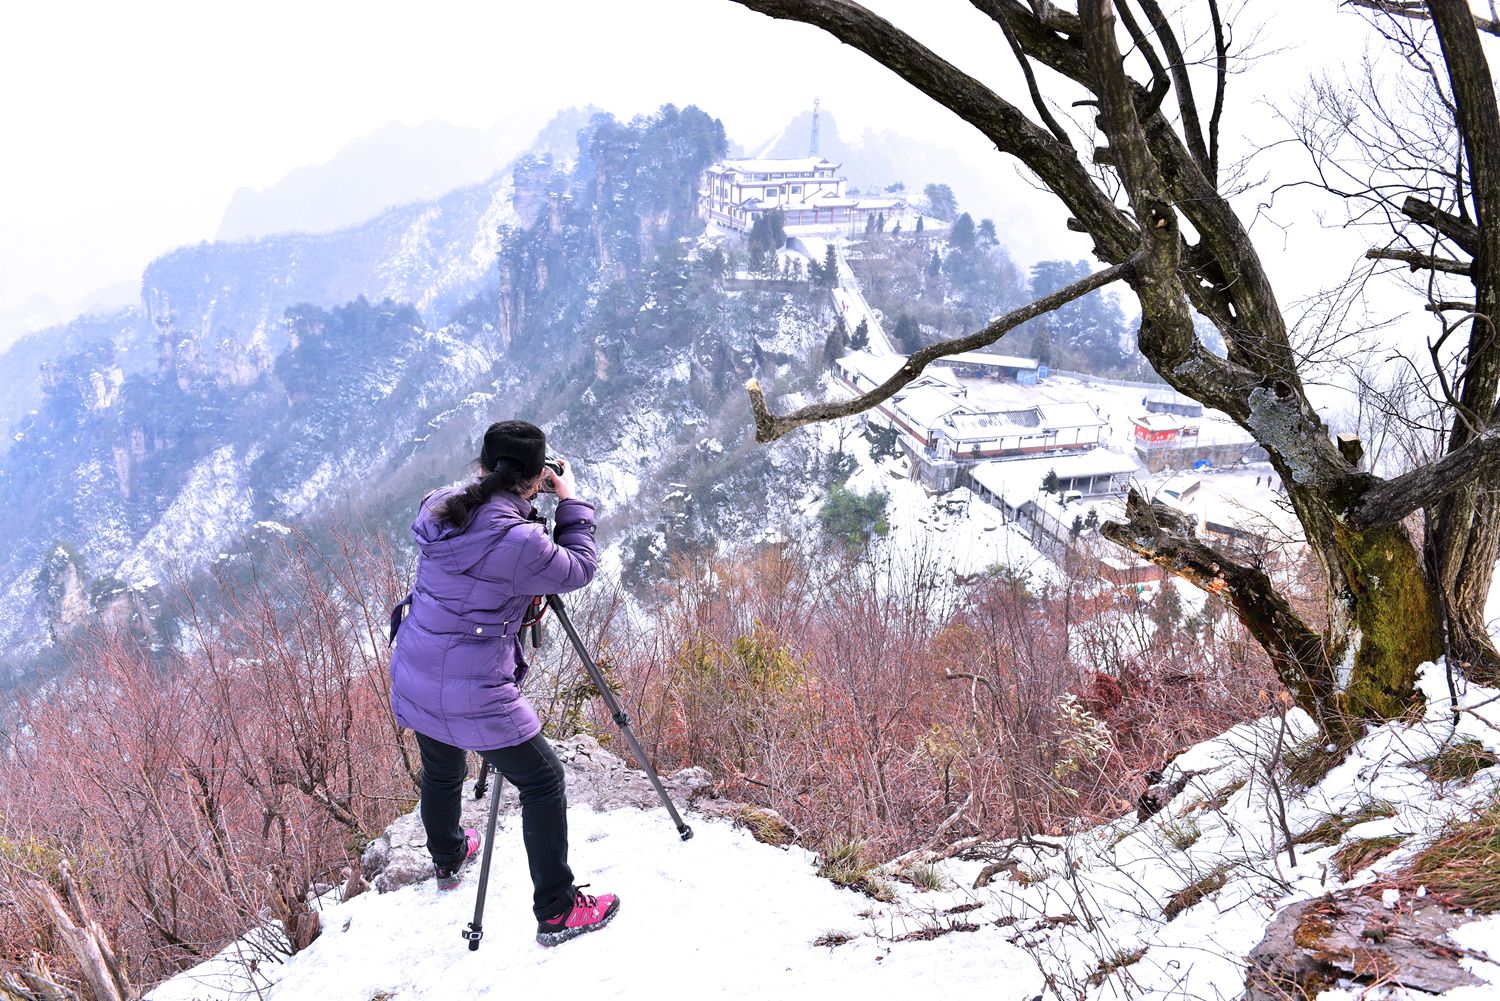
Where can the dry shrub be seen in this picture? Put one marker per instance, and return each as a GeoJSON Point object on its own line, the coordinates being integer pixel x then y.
{"type": "Point", "coordinates": [897, 707]}
{"type": "Point", "coordinates": [200, 791]}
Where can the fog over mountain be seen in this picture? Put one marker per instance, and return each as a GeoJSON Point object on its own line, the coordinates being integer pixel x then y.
{"type": "Point", "coordinates": [397, 165]}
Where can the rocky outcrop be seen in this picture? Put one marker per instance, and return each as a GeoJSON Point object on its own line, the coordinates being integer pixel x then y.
{"type": "Point", "coordinates": [1351, 936]}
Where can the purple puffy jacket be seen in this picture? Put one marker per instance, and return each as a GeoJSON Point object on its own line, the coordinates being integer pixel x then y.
{"type": "Point", "coordinates": [457, 666]}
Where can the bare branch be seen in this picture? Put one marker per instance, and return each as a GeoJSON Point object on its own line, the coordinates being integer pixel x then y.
{"type": "Point", "coordinates": [1417, 11]}
{"type": "Point", "coordinates": [1387, 502]}
{"type": "Point", "coordinates": [1460, 231]}
{"type": "Point", "coordinates": [1419, 261]}
{"type": "Point", "coordinates": [1221, 73]}
{"type": "Point", "coordinates": [769, 427]}
{"type": "Point", "coordinates": [1192, 126]}
{"type": "Point", "coordinates": [1158, 534]}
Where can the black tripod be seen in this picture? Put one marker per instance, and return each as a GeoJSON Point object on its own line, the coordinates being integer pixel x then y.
{"type": "Point", "coordinates": [475, 931]}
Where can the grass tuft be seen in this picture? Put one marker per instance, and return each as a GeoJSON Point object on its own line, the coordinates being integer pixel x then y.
{"type": "Point", "coordinates": [1361, 853]}
{"type": "Point", "coordinates": [1332, 829]}
{"type": "Point", "coordinates": [1310, 760]}
{"type": "Point", "coordinates": [1118, 960]}
{"type": "Point", "coordinates": [1181, 834]}
{"type": "Point", "coordinates": [1464, 865]}
{"type": "Point", "coordinates": [923, 877]}
{"type": "Point", "coordinates": [765, 826]}
{"type": "Point", "coordinates": [1458, 761]}
{"type": "Point", "coordinates": [1220, 799]}
{"type": "Point", "coordinates": [844, 864]}
{"type": "Point", "coordinates": [1196, 891]}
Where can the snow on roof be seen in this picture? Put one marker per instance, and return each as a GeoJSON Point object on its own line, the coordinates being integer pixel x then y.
{"type": "Point", "coordinates": [987, 423]}
{"type": "Point", "coordinates": [879, 368]}
{"type": "Point", "coordinates": [1172, 397]}
{"type": "Point", "coordinates": [775, 166]}
{"type": "Point", "coordinates": [876, 368]}
{"type": "Point", "coordinates": [985, 358]}
{"type": "Point", "coordinates": [1160, 422]}
{"type": "Point", "coordinates": [1070, 415]}
{"type": "Point", "coordinates": [1021, 479]}
{"type": "Point", "coordinates": [1180, 485]}
{"type": "Point", "coordinates": [926, 406]}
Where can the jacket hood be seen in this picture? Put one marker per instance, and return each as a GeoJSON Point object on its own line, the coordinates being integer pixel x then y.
{"type": "Point", "coordinates": [457, 548]}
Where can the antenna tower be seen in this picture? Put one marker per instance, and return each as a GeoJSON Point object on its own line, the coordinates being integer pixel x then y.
{"type": "Point", "coordinates": [813, 151]}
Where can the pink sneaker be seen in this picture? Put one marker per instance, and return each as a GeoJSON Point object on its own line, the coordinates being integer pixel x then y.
{"type": "Point", "coordinates": [447, 879]}
{"type": "Point", "coordinates": [587, 914]}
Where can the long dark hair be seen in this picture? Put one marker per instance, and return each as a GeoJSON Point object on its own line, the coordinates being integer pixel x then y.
{"type": "Point", "coordinates": [510, 459]}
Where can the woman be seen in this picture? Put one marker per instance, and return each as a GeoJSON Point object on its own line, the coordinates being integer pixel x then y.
{"type": "Point", "coordinates": [457, 667]}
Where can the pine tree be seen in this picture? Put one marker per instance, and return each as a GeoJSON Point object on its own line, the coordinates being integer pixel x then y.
{"type": "Point", "coordinates": [831, 267]}
{"type": "Point", "coordinates": [861, 338]}
{"type": "Point", "coordinates": [920, 227]}
{"type": "Point", "coordinates": [1050, 482]}
{"type": "Point", "coordinates": [962, 235]}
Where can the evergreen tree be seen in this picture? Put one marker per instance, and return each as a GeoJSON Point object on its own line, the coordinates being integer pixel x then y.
{"type": "Point", "coordinates": [941, 202]}
{"type": "Point", "coordinates": [1050, 482]}
{"type": "Point", "coordinates": [880, 223]}
{"type": "Point", "coordinates": [962, 236]}
{"type": "Point", "coordinates": [920, 227]}
{"type": "Point", "coordinates": [861, 338]}
{"type": "Point", "coordinates": [831, 267]}
{"type": "Point", "coordinates": [837, 344]}
{"type": "Point", "coordinates": [1041, 343]}
{"type": "Point", "coordinates": [908, 334]}
{"type": "Point", "coordinates": [987, 235]}
{"type": "Point", "coordinates": [1087, 331]}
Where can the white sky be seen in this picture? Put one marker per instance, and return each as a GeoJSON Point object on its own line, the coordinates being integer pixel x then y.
{"type": "Point", "coordinates": [130, 126]}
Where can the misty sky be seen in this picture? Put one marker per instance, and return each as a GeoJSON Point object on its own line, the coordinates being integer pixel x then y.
{"type": "Point", "coordinates": [129, 126]}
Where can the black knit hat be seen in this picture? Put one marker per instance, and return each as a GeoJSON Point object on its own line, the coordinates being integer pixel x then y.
{"type": "Point", "coordinates": [514, 443]}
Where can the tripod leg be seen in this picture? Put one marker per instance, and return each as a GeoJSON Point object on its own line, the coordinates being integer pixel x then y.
{"type": "Point", "coordinates": [475, 931]}
{"type": "Point", "coordinates": [621, 718]}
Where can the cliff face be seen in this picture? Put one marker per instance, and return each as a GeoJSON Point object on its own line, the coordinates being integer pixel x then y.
{"type": "Point", "coordinates": [571, 293]}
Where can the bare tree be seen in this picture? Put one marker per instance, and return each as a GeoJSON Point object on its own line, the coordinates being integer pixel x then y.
{"type": "Point", "coordinates": [1152, 195]}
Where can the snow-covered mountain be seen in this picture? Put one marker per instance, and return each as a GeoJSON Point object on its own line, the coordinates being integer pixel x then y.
{"type": "Point", "coordinates": [265, 381]}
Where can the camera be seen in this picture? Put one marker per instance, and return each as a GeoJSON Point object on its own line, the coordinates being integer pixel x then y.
{"type": "Point", "coordinates": [555, 464]}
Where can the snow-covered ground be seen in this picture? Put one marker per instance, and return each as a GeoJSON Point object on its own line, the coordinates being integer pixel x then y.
{"type": "Point", "coordinates": [725, 916]}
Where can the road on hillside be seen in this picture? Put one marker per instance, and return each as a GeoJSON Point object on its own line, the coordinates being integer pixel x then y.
{"type": "Point", "coordinates": [853, 307]}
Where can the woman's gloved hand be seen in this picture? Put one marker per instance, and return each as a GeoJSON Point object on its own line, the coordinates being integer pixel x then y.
{"type": "Point", "coordinates": [564, 486]}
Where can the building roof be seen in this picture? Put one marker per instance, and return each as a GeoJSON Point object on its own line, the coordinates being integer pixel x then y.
{"type": "Point", "coordinates": [926, 406]}
{"type": "Point", "coordinates": [879, 368]}
{"type": "Point", "coordinates": [1021, 479]}
{"type": "Point", "coordinates": [985, 358]}
{"type": "Point", "coordinates": [1179, 486]}
{"type": "Point", "coordinates": [775, 166]}
{"type": "Point", "coordinates": [1160, 422]}
{"type": "Point", "coordinates": [1172, 398]}
{"type": "Point", "coordinates": [1071, 415]}
{"type": "Point", "coordinates": [993, 423]}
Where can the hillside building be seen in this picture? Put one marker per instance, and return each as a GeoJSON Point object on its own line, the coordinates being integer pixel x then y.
{"type": "Point", "coordinates": [808, 190]}
{"type": "Point", "coordinates": [942, 428]}
{"type": "Point", "coordinates": [983, 365]}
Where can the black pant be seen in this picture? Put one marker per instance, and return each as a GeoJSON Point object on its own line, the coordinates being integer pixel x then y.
{"type": "Point", "coordinates": [536, 773]}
